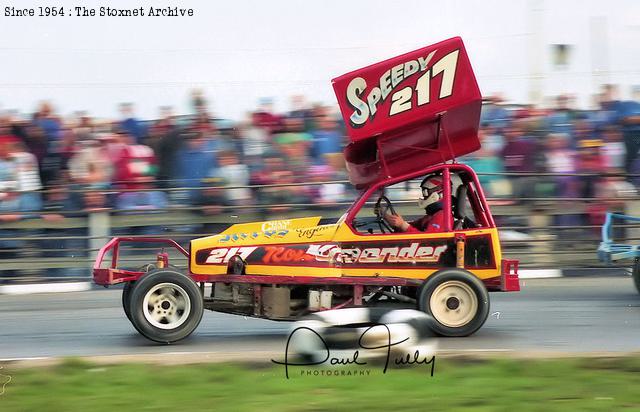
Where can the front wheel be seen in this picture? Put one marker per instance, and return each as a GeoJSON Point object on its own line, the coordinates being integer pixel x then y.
{"type": "Point", "coordinates": [166, 306]}
{"type": "Point", "coordinates": [457, 301]}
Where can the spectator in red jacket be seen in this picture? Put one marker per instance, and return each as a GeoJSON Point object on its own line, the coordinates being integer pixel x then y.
{"type": "Point", "coordinates": [264, 116]}
{"type": "Point", "coordinates": [9, 199]}
{"type": "Point", "coordinates": [135, 165]}
{"type": "Point", "coordinates": [135, 172]}
{"type": "Point", "coordinates": [592, 163]}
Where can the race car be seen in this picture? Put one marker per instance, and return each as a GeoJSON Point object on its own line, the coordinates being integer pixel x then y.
{"type": "Point", "coordinates": [407, 119]}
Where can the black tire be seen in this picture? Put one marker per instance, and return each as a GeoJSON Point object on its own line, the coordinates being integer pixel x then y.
{"type": "Point", "coordinates": [181, 299]}
{"type": "Point", "coordinates": [636, 274]}
{"type": "Point", "coordinates": [126, 301]}
{"type": "Point", "coordinates": [464, 292]}
{"type": "Point", "coordinates": [126, 298]}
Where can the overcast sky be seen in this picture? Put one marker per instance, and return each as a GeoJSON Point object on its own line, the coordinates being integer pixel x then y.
{"type": "Point", "coordinates": [241, 50]}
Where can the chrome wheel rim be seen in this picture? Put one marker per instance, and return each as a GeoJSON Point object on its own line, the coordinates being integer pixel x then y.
{"type": "Point", "coordinates": [166, 306]}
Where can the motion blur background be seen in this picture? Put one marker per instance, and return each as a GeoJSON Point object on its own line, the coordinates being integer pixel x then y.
{"type": "Point", "coordinates": [180, 127]}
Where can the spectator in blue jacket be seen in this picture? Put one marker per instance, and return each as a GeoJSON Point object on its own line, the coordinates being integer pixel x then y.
{"type": "Point", "coordinates": [131, 125]}
{"type": "Point", "coordinates": [327, 140]}
{"type": "Point", "coordinates": [629, 120]}
{"type": "Point", "coordinates": [195, 160]}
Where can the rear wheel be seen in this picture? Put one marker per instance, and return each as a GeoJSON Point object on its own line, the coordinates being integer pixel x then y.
{"type": "Point", "coordinates": [636, 273]}
{"type": "Point", "coordinates": [126, 298]}
{"type": "Point", "coordinates": [166, 306]}
{"type": "Point", "coordinates": [457, 301]}
{"type": "Point", "coordinates": [128, 287]}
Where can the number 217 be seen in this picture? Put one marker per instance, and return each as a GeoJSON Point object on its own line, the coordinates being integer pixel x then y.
{"type": "Point", "coordinates": [402, 99]}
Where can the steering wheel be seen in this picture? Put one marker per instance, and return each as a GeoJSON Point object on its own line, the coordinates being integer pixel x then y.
{"type": "Point", "coordinates": [382, 207]}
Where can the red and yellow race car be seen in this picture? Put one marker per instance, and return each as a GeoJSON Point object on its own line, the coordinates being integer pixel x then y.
{"type": "Point", "coordinates": [407, 118]}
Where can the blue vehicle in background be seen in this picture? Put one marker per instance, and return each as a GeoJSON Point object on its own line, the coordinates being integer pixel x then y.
{"type": "Point", "coordinates": [610, 251]}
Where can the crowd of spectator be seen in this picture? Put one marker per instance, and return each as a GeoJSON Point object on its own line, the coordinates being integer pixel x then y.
{"type": "Point", "coordinates": [198, 161]}
{"type": "Point", "coordinates": [53, 167]}
{"type": "Point", "coordinates": [561, 152]}
{"type": "Point", "coordinates": [48, 163]}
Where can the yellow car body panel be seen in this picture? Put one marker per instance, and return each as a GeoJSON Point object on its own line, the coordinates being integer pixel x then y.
{"type": "Point", "coordinates": [300, 247]}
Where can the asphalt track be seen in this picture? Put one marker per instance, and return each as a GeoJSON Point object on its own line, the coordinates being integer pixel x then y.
{"type": "Point", "coordinates": [549, 316]}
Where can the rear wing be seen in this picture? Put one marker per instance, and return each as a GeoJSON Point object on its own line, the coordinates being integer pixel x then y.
{"type": "Point", "coordinates": [409, 112]}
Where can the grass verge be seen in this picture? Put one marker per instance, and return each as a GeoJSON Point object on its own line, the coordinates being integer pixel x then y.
{"type": "Point", "coordinates": [497, 384]}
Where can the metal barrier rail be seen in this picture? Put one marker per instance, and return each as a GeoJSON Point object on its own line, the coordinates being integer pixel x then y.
{"type": "Point", "coordinates": [68, 247]}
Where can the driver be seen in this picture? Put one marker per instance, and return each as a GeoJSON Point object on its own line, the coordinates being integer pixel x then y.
{"type": "Point", "coordinates": [431, 202]}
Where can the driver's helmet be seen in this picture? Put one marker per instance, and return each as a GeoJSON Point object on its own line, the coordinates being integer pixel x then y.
{"type": "Point", "coordinates": [432, 190]}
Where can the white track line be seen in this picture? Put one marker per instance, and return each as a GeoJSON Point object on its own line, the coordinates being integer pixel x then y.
{"type": "Point", "coordinates": [44, 288]}
{"type": "Point", "coordinates": [26, 358]}
{"type": "Point", "coordinates": [539, 273]}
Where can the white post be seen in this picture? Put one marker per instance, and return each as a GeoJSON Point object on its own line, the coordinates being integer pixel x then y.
{"type": "Point", "coordinates": [99, 231]}
{"type": "Point", "coordinates": [535, 12]}
{"type": "Point", "coordinates": [599, 51]}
